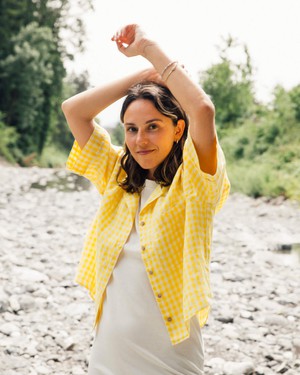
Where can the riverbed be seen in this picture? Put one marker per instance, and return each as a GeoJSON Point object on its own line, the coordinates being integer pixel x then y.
{"type": "Point", "coordinates": [46, 319]}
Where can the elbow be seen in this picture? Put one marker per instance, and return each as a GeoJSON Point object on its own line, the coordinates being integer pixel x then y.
{"type": "Point", "coordinates": [69, 108]}
{"type": "Point", "coordinates": [207, 106]}
{"type": "Point", "coordinates": [206, 110]}
{"type": "Point", "coordinates": [65, 106]}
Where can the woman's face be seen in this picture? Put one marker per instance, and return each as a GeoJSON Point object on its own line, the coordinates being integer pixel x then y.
{"type": "Point", "coordinates": [149, 135]}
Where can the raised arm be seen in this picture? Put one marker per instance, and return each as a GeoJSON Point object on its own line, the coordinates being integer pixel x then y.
{"type": "Point", "coordinates": [81, 109]}
{"type": "Point", "coordinates": [132, 41]}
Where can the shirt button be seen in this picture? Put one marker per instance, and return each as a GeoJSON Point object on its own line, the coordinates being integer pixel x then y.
{"type": "Point", "coordinates": [142, 223]}
{"type": "Point", "coordinates": [143, 248]}
{"type": "Point", "coordinates": [169, 319]}
{"type": "Point", "coordinates": [159, 295]}
{"type": "Point", "coordinates": [151, 272]}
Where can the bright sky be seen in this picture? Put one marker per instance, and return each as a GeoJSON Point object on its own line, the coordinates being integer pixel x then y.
{"type": "Point", "coordinates": [189, 31]}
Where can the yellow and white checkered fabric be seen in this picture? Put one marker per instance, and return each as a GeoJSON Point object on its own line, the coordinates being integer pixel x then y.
{"type": "Point", "coordinates": [175, 231]}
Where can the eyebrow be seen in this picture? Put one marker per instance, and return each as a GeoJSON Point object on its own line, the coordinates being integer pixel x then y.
{"type": "Point", "coordinates": [147, 122]}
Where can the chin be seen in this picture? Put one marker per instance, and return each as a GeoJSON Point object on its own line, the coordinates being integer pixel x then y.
{"type": "Point", "coordinates": [147, 167]}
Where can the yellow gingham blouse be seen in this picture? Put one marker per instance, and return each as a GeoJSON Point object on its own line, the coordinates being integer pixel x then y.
{"type": "Point", "coordinates": [175, 231]}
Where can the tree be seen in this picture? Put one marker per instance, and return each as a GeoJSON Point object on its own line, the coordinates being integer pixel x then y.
{"type": "Point", "coordinates": [60, 132]}
{"type": "Point", "coordinates": [117, 135]}
{"type": "Point", "coordinates": [8, 140]}
{"type": "Point", "coordinates": [36, 37]}
{"type": "Point", "coordinates": [230, 85]}
{"type": "Point", "coordinates": [27, 75]}
{"type": "Point", "coordinates": [14, 14]}
{"type": "Point", "coordinates": [295, 98]}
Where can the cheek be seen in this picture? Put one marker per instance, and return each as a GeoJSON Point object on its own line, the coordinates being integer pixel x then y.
{"type": "Point", "coordinates": [129, 141]}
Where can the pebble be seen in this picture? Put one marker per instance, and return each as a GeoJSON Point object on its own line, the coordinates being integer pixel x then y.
{"type": "Point", "coordinates": [9, 329]}
{"type": "Point", "coordinates": [29, 274]}
{"type": "Point", "coordinates": [238, 368]}
{"type": "Point", "coordinates": [296, 348]}
{"type": "Point", "coordinates": [46, 320]}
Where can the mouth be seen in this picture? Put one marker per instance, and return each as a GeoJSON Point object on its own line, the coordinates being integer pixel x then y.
{"type": "Point", "coordinates": [144, 152]}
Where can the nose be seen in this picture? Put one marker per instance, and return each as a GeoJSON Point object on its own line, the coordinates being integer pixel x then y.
{"type": "Point", "coordinates": [141, 138]}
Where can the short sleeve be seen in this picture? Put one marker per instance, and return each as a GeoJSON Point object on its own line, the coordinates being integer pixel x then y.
{"type": "Point", "coordinates": [214, 189]}
{"type": "Point", "coordinates": [96, 160]}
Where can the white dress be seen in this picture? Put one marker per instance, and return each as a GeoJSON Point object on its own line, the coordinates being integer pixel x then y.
{"type": "Point", "coordinates": [131, 337]}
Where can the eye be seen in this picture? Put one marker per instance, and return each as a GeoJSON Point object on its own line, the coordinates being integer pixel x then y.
{"type": "Point", "coordinates": [153, 126]}
{"type": "Point", "coordinates": [131, 129]}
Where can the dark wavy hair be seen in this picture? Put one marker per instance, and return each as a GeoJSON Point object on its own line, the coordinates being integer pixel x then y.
{"type": "Point", "coordinates": [165, 102]}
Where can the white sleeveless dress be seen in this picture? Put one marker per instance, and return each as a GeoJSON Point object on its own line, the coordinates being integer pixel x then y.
{"type": "Point", "coordinates": [131, 337]}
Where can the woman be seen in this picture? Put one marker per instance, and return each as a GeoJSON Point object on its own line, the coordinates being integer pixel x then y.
{"type": "Point", "coordinates": [146, 258]}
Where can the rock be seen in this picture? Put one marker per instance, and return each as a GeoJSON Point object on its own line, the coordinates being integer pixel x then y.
{"type": "Point", "coordinates": [47, 319]}
{"type": "Point", "coordinates": [8, 329]}
{"type": "Point", "coordinates": [76, 370]}
{"type": "Point", "coordinates": [296, 348]}
{"type": "Point", "coordinates": [216, 364]}
{"type": "Point", "coordinates": [225, 319]}
{"type": "Point", "coordinates": [42, 370]}
{"type": "Point", "coordinates": [246, 315]}
{"type": "Point", "coordinates": [78, 310]}
{"type": "Point", "coordinates": [67, 343]}
{"type": "Point", "coordinates": [41, 292]}
{"type": "Point", "coordinates": [282, 368]}
{"type": "Point", "coordinates": [234, 277]}
{"type": "Point", "coordinates": [277, 320]}
{"type": "Point", "coordinates": [230, 331]}
{"type": "Point", "coordinates": [238, 368]}
{"type": "Point", "coordinates": [29, 274]}
{"type": "Point", "coordinates": [215, 267]}
{"type": "Point", "coordinates": [4, 301]}
{"type": "Point", "coordinates": [14, 303]}
{"type": "Point", "coordinates": [27, 302]}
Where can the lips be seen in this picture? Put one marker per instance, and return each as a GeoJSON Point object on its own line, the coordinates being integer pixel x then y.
{"type": "Point", "coordinates": [144, 152]}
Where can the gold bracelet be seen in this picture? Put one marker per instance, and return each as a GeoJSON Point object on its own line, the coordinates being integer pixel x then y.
{"type": "Point", "coordinates": [173, 70]}
{"type": "Point", "coordinates": [167, 66]}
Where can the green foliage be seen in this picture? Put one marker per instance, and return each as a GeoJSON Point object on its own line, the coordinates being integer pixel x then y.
{"type": "Point", "coordinates": [14, 14]}
{"type": "Point", "coordinates": [8, 141]}
{"type": "Point", "coordinates": [230, 86]}
{"type": "Point", "coordinates": [256, 179]}
{"type": "Point", "coordinates": [52, 157]}
{"type": "Point", "coordinates": [60, 134]}
{"type": "Point", "coordinates": [295, 99]}
{"type": "Point", "coordinates": [117, 135]}
{"type": "Point", "coordinates": [261, 142]}
{"type": "Point", "coordinates": [25, 99]}
{"type": "Point", "coordinates": [32, 56]}
{"type": "Point", "coordinates": [263, 154]}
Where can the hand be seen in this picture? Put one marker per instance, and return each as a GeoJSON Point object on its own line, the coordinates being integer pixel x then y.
{"type": "Point", "coordinates": [151, 74]}
{"type": "Point", "coordinates": [131, 40]}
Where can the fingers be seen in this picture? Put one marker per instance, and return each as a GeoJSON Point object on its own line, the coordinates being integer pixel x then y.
{"type": "Point", "coordinates": [128, 40]}
{"type": "Point", "coordinates": [125, 34]}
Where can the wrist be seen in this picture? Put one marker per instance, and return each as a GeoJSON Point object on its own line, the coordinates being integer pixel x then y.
{"type": "Point", "coordinates": [146, 46]}
{"type": "Point", "coordinates": [145, 74]}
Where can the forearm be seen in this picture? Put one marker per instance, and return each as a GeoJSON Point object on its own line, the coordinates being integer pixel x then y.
{"type": "Point", "coordinates": [81, 109]}
{"type": "Point", "coordinates": [132, 41]}
{"type": "Point", "coordinates": [187, 92]}
{"type": "Point", "coordinates": [195, 102]}
{"type": "Point", "coordinates": [86, 105]}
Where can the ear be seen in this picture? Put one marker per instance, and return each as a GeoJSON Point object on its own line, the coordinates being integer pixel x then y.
{"type": "Point", "coordinates": [179, 129]}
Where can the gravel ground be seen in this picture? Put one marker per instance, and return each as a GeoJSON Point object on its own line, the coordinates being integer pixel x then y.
{"type": "Point", "coordinates": [46, 319]}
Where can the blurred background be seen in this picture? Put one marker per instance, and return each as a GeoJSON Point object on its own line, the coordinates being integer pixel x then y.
{"type": "Point", "coordinates": [246, 55]}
